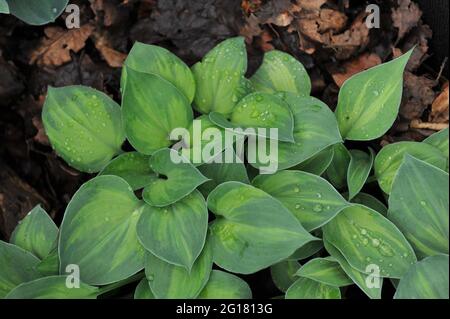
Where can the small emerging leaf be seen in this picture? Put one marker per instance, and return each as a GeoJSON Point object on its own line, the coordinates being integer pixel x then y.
{"type": "Point", "coordinates": [143, 290]}
{"type": "Point", "coordinates": [283, 274]}
{"type": "Point", "coordinates": [358, 170]}
{"type": "Point", "coordinates": [317, 164]}
{"type": "Point", "coordinates": [371, 202]}
{"type": "Point", "coordinates": [337, 170]}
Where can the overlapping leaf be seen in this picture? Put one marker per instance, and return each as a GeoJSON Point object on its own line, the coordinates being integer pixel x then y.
{"type": "Point", "coordinates": [37, 12]}
{"type": "Point", "coordinates": [305, 288]}
{"type": "Point", "coordinates": [325, 270]}
{"type": "Point", "coordinates": [222, 285]}
{"type": "Point", "coordinates": [358, 170]}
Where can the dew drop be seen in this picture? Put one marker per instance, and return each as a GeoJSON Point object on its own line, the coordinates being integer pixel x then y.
{"type": "Point", "coordinates": [296, 190]}
{"type": "Point", "coordinates": [375, 242]}
{"type": "Point", "coordinates": [363, 232]}
{"type": "Point", "coordinates": [317, 208]}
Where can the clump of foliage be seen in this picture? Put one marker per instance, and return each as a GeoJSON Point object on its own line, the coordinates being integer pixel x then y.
{"type": "Point", "coordinates": [34, 12]}
{"type": "Point", "coordinates": [309, 222]}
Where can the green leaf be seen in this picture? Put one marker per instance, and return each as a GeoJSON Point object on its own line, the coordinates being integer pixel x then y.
{"type": "Point", "coordinates": [36, 233]}
{"type": "Point", "coordinates": [418, 205]}
{"type": "Point", "coordinates": [4, 8]}
{"type": "Point", "coordinates": [50, 264]}
{"type": "Point", "coordinates": [358, 170]}
{"type": "Point", "coordinates": [220, 77]}
{"type": "Point", "coordinates": [84, 126]}
{"type": "Point", "coordinates": [133, 167]}
{"type": "Point", "coordinates": [317, 164]}
{"type": "Point", "coordinates": [219, 173]}
{"type": "Point", "coordinates": [143, 290]}
{"type": "Point", "coordinates": [310, 198]}
{"type": "Point", "coordinates": [281, 72]}
{"type": "Point", "coordinates": [259, 110]}
{"type": "Point", "coordinates": [53, 287]}
{"type": "Point", "coordinates": [315, 128]}
{"type": "Point", "coordinates": [307, 250]}
{"type": "Point", "coordinates": [152, 107]}
{"type": "Point", "coordinates": [174, 282]}
{"type": "Point", "coordinates": [98, 232]}
{"type": "Point", "coordinates": [366, 237]}
{"type": "Point", "coordinates": [337, 171]}
{"type": "Point", "coordinates": [440, 140]}
{"type": "Point", "coordinates": [16, 266]}
{"type": "Point", "coordinates": [176, 179]}
{"type": "Point", "coordinates": [37, 12]}
{"type": "Point", "coordinates": [389, 159]}
{"type": "Point", "coordinates": [222, 285]}
{"type": "Point", "coordinates": [326, 271]}
{"type": "Point", "coordinates": [175, 233]}
{"type": "Point", "coordinates": [371, 202]}
{"type": "Point", "coordinates": [283, 274]}
{"type": "Point", "coordinates": [305, 288]}
{"type": "Point", "coordinates": [368, 102]}
{"type": "Point", "coordinates": [428, 279]}
{"type": "Point", "coordinates": [359, 278]}
{"type": "Point", "coordinates": [159, 61]}
{"type": "Point", "coordinates": [252, 230]}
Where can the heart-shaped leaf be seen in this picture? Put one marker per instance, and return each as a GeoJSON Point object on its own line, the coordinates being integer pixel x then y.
{"type": "Point", "coordinates": [36, 233]}
{"type": "Point", "coordinates": [283, 274]}
{"type": "Point", "coordinates": [317, 164]}
{"type": "Point", "coordinates": [310, 198]}
{"type": "Point", "coordinates": [37, 12]}
{"type": "Point", "coordinates": [337, 170]}
{"type": "Point", "coordinates": [143, 290]}
{"type": "Point", "coordinates": [83, 125]}
{"type": "Point", "coordinates": [371, 202]}
{"type": "Point", "coordinates": [222, 285]}
{"type": "Point", "coordinates": [220, 77]}
{"type": "Point", "coordinates": [252, 230]}
{"type": "Point", "coordinates": [152, 107]}
{"type": "Point", "coordinates": [428, 279]}
{"type": "Point", "coordinates": [305, 288]}
{"type": "Point", "coordinates": [358, 170]}
{"type": "Point", "coordinates": [439, 140]}
{"type": "Point", "coordinates": [325, 270]}
{"type": "Point", "coordinates": [368, 102]}
{"type": "Point", "coordinates": [53, 287]}
{"type": "Point", "coordinates": [418, 205]}
{"type": "Point", "coordinates": [373, 291]}
{"type": "Point", "coordinates": [281, 72]}
{"type": "Point", "coordinates": [175, 233]}
{"type": "Point", "coordinates": [156, 60]}
{"type": "Point", "coordinates": [260, 110]}
{"type": "Point", "coordinates": [16, 266]}
{"type": "Point", "coordinates": [177, 179]}
{"type": "Point", "coordinates": [389, 159]}
{"type": "Point", "coordinates": [174, 282]}
{"type": "Point", "coordinates": [366, 237]}
{"type": "Point", "coordinates": [98, 232]}
{"type": "Point", "coordinates": [132, 167]}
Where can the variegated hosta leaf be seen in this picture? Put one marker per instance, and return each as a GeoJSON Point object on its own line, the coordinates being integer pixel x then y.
{"type": "Point", "coordinates": [152, 107]}
{"type": "Point", "coordinates": [326, 271]}
{"type": "Point", "coordinates": [418, 205]}
{"type": "Point", "coordinates": [368, 102]}
{"type": "Point", "coordinates": [365, 237]}
{"type": "Point", "coordinates": [174, 282]}
{"type": "Point", "coordinates": [176, 179]}
{"type": "Point", "coordinates": [143, 290]}
{"type": "Point", "coordinates": [337, 171]}
{"type": "Point", "coordinates": [439, 140]}
{"type": "Point", "coordinates": [310, 198]}
{"type": "Point", "coordinates": [281, 72]}
{"type": "Point", "coordinates": [36, 233]}
{"type": "Point", "coordinates": [175, 233]}
{"type": "Point", "coordinates": [305, 288]}
{"type": "Point", "coordinates": [98, 232]}
{"type": "Point", "coordinates": [222, 285]}
{"type": "Point", "coordinates": [283, 274]}
{"type": "Point", "coordinates": [53, 287]}
{"type": "Point", "coordinates": [156, 60]}
{"type": "Point", "coordinates": [84, 126]}
{"type": "Point", "coordinates": [16, 266]}
{"type": "Point", "coordinates": [389, 159]}
{"type": "Point", "coordinates": [37, 12]}
{"type": "Point", "coordinates": [260, 110]}
{"type": "Point", "coordinates": [370, 284]}
{"type": "Point", "coordinates": [307, 250]}
{"type": "Point", "coordinates": [132, 167]}
{"type": "Point", "coordinates": [220, 77]}
{"type": "Point", "coordinates": [428, 279]}
{"type": "Point", "coordinates": [315, 128]}
{"type": "Point", "coordinates": [49, 266]}
{"type": "Point", "coordinates": [4, 8]}
{"type": "Point", "coordinates": [371, 202]}
{"type": "Point", "coordinates": [317, 164]}
{"type": "Point", "coordinates": [252, 230]}
{"type": "Point", "coordinates": [358, 170]}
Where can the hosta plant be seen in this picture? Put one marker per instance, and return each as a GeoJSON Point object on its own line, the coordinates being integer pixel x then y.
{"type": "Point", "coordinates": [176, 226]}
{"type": "Point", "coordinates": [34, 12]}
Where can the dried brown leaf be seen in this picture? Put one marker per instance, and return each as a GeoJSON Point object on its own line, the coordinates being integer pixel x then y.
{"type": "Point", "coordinates": [406, 16]}
{"type": "Point", "coordinates": [350, 68]}
{"type": "Point", "coordinates": [439, 108]}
